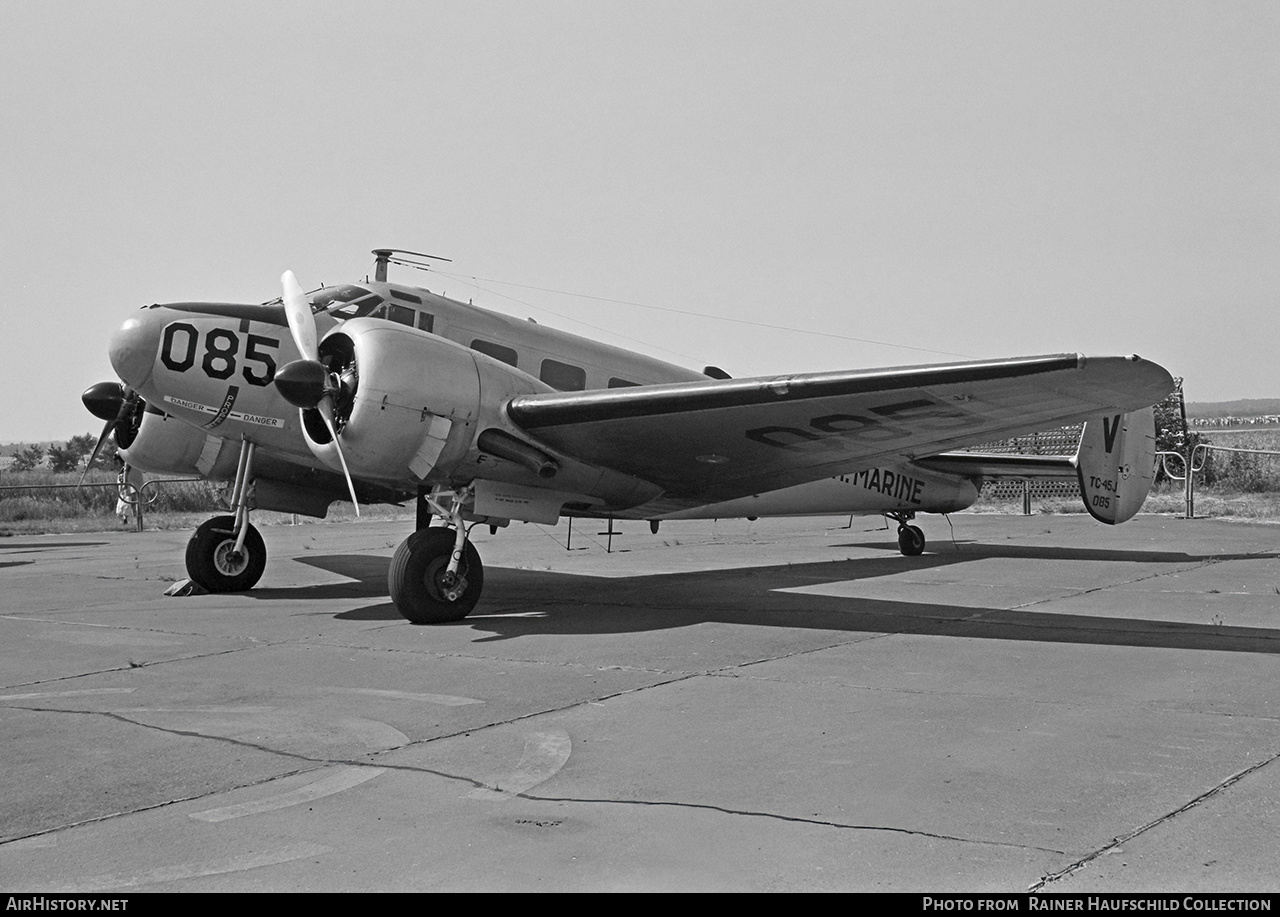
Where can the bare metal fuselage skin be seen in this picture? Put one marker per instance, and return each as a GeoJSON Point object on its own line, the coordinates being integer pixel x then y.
{"type": "Point", "coordinates": [439, 373]}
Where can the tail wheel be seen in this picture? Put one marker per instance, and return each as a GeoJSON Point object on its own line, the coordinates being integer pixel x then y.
{"type": "Point", "coordinates": [214, 563]}
{"type": "Point", "coordinates": [418, 581]}
{"type": "Point", "coordinates": [910, 540]}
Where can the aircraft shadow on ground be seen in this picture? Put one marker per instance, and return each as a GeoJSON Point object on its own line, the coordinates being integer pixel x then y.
{"type": "Point", "coordinates": [962, 551]}
{"type": "Point", "coordinates": [532, 602]}
{"type": "Point", "coordinates": [23, 547]}
{"type": "Point", "coordinates": [366, 575]}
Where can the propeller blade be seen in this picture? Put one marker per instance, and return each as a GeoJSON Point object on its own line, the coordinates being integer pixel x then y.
{"type": "Point", "coordinates": [302, 324]}
{"type": "Point", "coordinates": [326, 411]}
{"type": "Point", "coordinates": [106, 431]}
{"type": "Point", "coordinates": [112, 402]}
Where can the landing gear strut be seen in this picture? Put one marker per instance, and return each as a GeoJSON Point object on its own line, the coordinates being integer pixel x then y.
{"type": "Point", "coordinates": [226, 553]}
{"type": "Point", "coordinates": [436, 575]}
{"type": "Point", "coordinates": [910, 537]}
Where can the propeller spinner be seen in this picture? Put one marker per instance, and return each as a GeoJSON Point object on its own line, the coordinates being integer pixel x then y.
{"type": "Point", "coordinates": [115, 403]}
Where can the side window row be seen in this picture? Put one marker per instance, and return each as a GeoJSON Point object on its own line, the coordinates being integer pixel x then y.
{"type": "Point", "coordinates": [564, 377]}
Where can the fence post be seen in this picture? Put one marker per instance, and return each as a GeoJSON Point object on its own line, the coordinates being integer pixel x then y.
{"type": "Point", "coordinates": [1189, 484]}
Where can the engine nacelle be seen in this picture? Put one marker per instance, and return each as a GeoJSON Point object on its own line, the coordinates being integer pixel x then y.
{"type": "Point", "coordinates": [165, 445]}
{"type": "Point", "coordinates": [410, 401]}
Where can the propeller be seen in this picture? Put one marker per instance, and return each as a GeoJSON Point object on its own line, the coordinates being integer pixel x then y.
{"type": "Point", "coordinates": [306, 383]}
{"type": "Point", "coordinates": [113, 402]}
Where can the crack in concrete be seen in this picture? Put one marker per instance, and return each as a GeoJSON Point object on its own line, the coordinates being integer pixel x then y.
{"type": "Point", "coordinates": [130, 666]}
{"type": "Point", "coordinates": [321, 763]}
{"type": "Point", "coordinates": [1156, 822]}
{"type": "Point", "coordinates": [734, 670]}
{"type": "Point", "coordinates": [925, 692]}
{"type": "Point", "coordinates": [796, 819]}
{"type": "Point", "coordinates": [1157, 574]}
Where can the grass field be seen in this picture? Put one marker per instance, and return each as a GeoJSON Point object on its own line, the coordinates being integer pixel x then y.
{"type": "Point", "coordinates": [1236, 485]}
{"type": "Point", "coordinates": [34, 502]}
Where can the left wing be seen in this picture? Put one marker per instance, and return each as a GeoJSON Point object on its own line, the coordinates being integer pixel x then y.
{"type": "Point", "coordinates": [721, 439]}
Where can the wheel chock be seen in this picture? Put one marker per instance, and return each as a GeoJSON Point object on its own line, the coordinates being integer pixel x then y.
{"type": "Point", "coordinates": [186, 587]}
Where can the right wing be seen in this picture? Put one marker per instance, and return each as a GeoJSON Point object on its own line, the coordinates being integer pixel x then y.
{"type": "Point", "coordinates": [705, 442]}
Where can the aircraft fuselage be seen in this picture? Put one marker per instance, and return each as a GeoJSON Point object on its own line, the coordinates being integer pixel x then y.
{"type": "Point", "coordinates": [210, 366]}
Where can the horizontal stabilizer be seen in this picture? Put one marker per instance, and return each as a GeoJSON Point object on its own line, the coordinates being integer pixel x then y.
{"type": "Point", "coordinates": [1116, 464]}
{"type": "Point", "coordinates": [1002, 465]}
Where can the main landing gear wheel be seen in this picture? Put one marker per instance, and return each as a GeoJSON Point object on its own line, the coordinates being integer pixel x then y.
{"type": "Point", "coordinates": [910, 540]}
{"type": "Point", "coordinates": [419, 581]}
{"type": "Point", "coordinates": [214, 563]}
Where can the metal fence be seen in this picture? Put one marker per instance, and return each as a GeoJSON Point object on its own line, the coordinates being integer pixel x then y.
{"type": "Point", "coordinates": [136, 498]}
{"type": "Point", "coordinates": [1062, 441]}
{"type": "Point", "coordinates": [1191, 467]}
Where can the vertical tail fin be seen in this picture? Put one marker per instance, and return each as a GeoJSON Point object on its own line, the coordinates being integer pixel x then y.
{"type": "Point", "coordinates": [1115, 464]}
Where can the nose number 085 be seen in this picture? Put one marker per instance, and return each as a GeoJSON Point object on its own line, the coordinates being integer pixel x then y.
{"type": "Point", "coordinates": [181, 343]}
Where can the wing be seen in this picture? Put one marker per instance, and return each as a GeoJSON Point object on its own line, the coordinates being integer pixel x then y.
{"type": "Point", "coordinates": [721, 439]}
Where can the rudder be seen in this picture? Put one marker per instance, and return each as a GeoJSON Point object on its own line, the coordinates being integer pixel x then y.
{"type": "Point", "coordinates": [1115, 464]}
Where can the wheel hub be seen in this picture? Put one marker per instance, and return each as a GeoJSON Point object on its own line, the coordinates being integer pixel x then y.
{"type": "Point", "coordinates": [446, 586]}
{"type": "Point", "coordinates": [229, 561]}
{"type": "Point", "coordinates": [454, 592]}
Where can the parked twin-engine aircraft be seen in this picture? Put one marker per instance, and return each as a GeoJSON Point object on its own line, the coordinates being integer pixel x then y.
{"type": "Point", "coordinates": [385, 392]}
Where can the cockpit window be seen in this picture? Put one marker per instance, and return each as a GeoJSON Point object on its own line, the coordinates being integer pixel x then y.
{"type": "Point", "coordinates": [346, 301]}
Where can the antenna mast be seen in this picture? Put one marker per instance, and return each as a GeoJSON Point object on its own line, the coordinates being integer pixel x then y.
{"type": "Point", "coordinates": [383, 258]}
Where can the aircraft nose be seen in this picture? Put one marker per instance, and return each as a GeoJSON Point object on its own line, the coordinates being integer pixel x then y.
{"type": "Point", "coordinates": [133, 349]}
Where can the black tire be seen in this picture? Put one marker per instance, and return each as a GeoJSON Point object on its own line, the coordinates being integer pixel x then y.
{"type": "Point", "coordinates": [910, 540]}
{"type": "Point", "coordinates": [211, 560]}
{"type": "Point", "coordinates": [413, 578]}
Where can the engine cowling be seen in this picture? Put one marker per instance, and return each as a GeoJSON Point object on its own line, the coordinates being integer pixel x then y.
{"type": "Point", "coordinates": [162, 444]}
{"type": "Point", "coordinates": [407, 403]}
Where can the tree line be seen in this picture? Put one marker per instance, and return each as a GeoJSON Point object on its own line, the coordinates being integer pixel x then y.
{"type": "Point", "coordinates": [63, 457]}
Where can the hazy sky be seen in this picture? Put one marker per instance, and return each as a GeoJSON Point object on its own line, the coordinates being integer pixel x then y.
{"type": "Point", "coordinates": [956, 179]}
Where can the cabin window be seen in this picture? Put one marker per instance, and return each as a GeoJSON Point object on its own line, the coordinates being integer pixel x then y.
{"type": "Point", "coordinates": [401, 315]}
{"type": "Point", "coordinates": [407, 297]}
{"type": "Point", "coordinates": [563, 376]}
{"type": "Point", "coordinates": [497, 351]}
{"type": "Point", "coordinates": [615, 382]}
{"type": "Point", "coordinates": [426, 321]}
